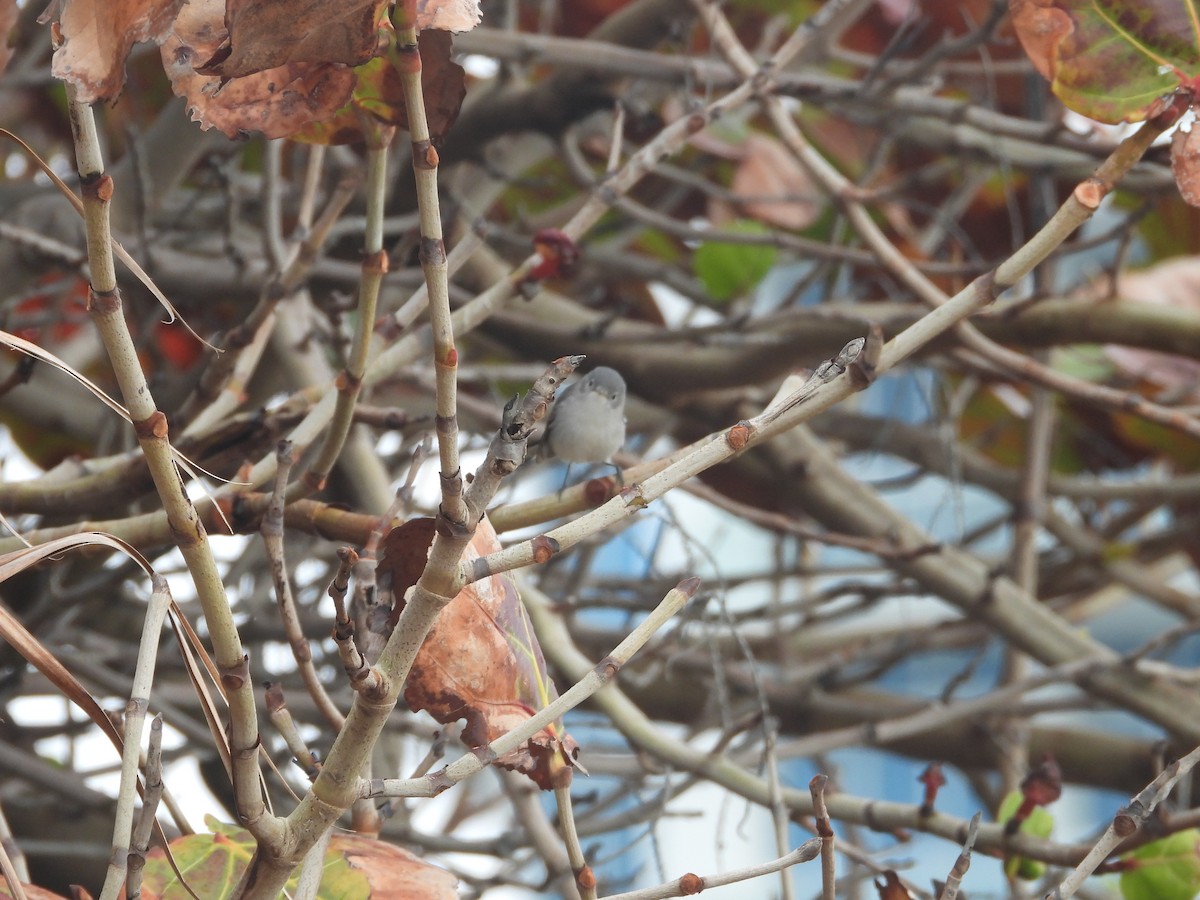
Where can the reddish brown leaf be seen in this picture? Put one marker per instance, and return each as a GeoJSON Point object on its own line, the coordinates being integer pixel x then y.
{"type": "Point", "coordinates": [8, 21]}
{"type": "Point", "coordinates": [1042, 30]}
{"type": "Point", "coordinates": [1043, 784]}
{"type": "Point", "coordinates": [481, 661]}
{"type": "Point", "coordinates": [773, 187]}
{"type": "Point", "coordinates": [97, 37]}
{"type": "Point", "coordinates": [892, 888]}
{"type": "Point", "coordinates": [278, 102]}
{"type": "Point", "coordinates": [405, 551]}
{"type": "Point", "coordinates": [266, 34]}
{"type": "Point", "coordinates": [1185, 163]}
{"type": "Point", "coordinates": [32, 892]}
{"type": "Point", "coordinates": [448, 15]}
{"type": "Point", "coordinates": [393, 873]}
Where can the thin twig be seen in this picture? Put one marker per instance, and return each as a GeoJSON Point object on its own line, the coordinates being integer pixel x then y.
{"type": "Point", "coordinates": [135, 718]}
{"type": "Point", "coordinates": [272, 531]}
{"type": "Point", "coordinates": [694, 884]}
{"type": "Point", "coordinates": [1128, 821]}
{"type": "Point", "coordinates": [145, 823]}
{"type": "Point", "coordinates": [151, 427]}
{"type": "Point", "coordinates": [585, 878]}
{"type": "Point", "coordinates": [816, 787]}
{"type": "Point", "coordinates": [12, 850]}
{"type": "Point", "coordinates": [954, 879]}
{"type": "Point", "coordinates": [470, 763]}
{"type": "Point", "coordinates": [779, 816]}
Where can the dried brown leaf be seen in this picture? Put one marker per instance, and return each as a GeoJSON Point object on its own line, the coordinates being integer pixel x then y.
{"type": "Point", "coordinates": [892, 888]}
{"type": "Point", "coordinates": [32, 892]}
{"type": "Point", "coordinates": [278, 102]}
{"type": "Point", "coordinates": [266, 34]}
{"type": "Point", "coordinates": [448, 15]}
{"type": "Point", "coordinates": [394, 874]}
{"type": "Point", "coordinates": [8, 21]}
{"type": "Point", "coordinates": [481, 661]}
{"type": "Point", "coordinates": [1185, 163]}
{"type": "Point", "coordinates": [97, 37]}
{"type": "Point", "coordinates": [772, 187]}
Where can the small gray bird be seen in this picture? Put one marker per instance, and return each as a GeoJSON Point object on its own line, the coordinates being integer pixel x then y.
{"type": "Point", "coordinates": [587, 420]}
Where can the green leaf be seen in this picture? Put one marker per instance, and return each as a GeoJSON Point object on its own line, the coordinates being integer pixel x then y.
{"type": "Point", "coordinates": [213, 864]}
{"type": "Point", "coordinates": [1039, 824]}
{"type": "Point", "coordinates": [1111, 60]}
{"type": "Point", "coordinates": [1165, 870]}
{"type": "Point", "coordinates": [729, 270]}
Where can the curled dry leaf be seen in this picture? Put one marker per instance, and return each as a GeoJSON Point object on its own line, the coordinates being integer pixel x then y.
{"type": "Point", "coordinates": [448, 15]}
{"type": "Point", "coordinates": [481, 661]}
{"type": "Point", "coordinates": [97, 37]}
{"type": "Point", "coordinates": [278, 102]}
{"type": "Point", "coordinates": [266, 34]}
{"type": "Point", "coordinates": [1185, 163]}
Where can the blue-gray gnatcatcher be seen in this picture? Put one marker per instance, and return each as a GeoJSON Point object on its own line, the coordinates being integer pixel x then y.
{"type": "Point", "coordinates": [587, 420]}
